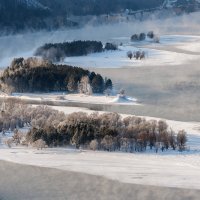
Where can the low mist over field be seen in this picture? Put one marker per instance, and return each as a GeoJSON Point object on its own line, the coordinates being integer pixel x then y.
{"type": "Point", "coordinates": [25, 44]}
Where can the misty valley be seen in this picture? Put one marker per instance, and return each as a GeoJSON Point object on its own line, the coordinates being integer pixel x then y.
{"type": "Point", "coordinates": [99, 90]}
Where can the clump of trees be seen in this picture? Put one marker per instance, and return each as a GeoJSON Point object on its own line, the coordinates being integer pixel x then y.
{"type": "Point", "coordinates": [108, 131]}
{"type": "Point", "coordinates": [15, 115]}
{"type": "Point", "coordinates": [110, 46]}
{"type": "Point", "coordinates": [138, 37]}
{"type": "Point", "coordinates": [58, 51]}
{"type": "Point", "coordinates": [138, 55]}
{"type": "Point", "coordinates": [18, 138]}
{"type": "Point", "coordinates": [142, 36]}
{"type": "Point", "coordinates": [153, 36]}
{"type": "Point", "coordinates": [150, 34]}
{"type": "Point", "coordinates": [130, 54]}
{"type": "Point", "coordinates": [39, 75]}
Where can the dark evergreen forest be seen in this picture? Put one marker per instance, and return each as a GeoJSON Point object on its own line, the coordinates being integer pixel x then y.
{"type": "Point", "coordinates": [53, 14]}
{"type": "Point", "coordinates": [37, 75]}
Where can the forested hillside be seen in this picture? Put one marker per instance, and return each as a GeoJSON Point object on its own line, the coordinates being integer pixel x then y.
{"type": "Point", "coordinates": [19, 15]}
{"type": "Point", "coordinates": [22, 15]}
{"type": "Point", "coordinates": [97, 7]}
{"type": "Point", "coordinates": [32, 15]}
{"type": "Point", "coordinates": [15, 15]}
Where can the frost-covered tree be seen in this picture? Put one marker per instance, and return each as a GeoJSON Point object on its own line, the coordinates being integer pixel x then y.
{"type": "Point", "coordinates": [181, 139]}
{"type": "Point", "coordinates": [94, 145]}
{"type": "Point", "coordinates": [72, 84]}
{"type": "Point", "coordinates": [130, 55]}
{"type": "Point", "coordinates": [156, 39]}
{"type": "Point", "coordinates": [110, 46]}
{"type": "Point", "coordinates": [39, 144]}
{"type": "Point", "coordinates": [84, 86]}
{"type": "Point", "coordinates": [142, 36]}
{"type": "Point", "coordinates": [109, 130]}
{"type": "Point", "coordinates": [108, 143]}
{"type": "Point", "coordinates": [150, 34]}
{"type": "Point", "coordinates": [108, 84]}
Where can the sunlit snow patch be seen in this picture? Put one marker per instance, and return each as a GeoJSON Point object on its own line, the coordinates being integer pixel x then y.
{"type": "Point", "coordinates": [124, 99]}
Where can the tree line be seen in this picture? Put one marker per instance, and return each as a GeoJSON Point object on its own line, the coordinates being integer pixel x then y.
{"type": "Point", "coordinates": [142, 36]}
{"type": "Point", "coordinates": [108, 131]}
{"type": "Point", "coordinates": [15, 16]}
{"type": "Point", "coordinates": [56, 52]}
{"type": "Point", "coordinates": [38, 75]}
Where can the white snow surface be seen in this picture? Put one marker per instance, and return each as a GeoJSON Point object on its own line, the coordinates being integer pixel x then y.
{"type": "Point", "coordinates": [124, 99]}
{"type": "Point", "coordinates": [118, 59]}
{"type": "Point", "coordinates": [162, 169]}
{"type": "Point", "coordinates": [82, 98]}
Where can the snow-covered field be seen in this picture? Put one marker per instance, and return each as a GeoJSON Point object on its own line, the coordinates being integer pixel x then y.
{"type": "Point", "coordinates": [170, 168]}
{"type": "Point", "coordinates": [154, 57]}
{"type": "Point", "coordinates": [82, 98]}
{"type": "Point", "coordinates": [118, 59]}
{"type": "Point", "coordinates": [162, 169]}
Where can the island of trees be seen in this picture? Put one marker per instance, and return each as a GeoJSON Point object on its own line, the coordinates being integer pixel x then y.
{"type": "Point", "coordinates": [58, 51]}
{"type": "Point", "coordinates": [39, 75]}
{"type": "Point", "coordinates": [142, 36]}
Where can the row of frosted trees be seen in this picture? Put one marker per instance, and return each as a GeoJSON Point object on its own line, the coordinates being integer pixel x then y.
{"type": "Point", "coordinates": [108, 131]}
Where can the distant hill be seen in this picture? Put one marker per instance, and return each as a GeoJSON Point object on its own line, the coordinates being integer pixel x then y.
{"type": "Point", "coordinates": [97, 7]}
{"type": "Point", "coordinates": [20, 15]}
